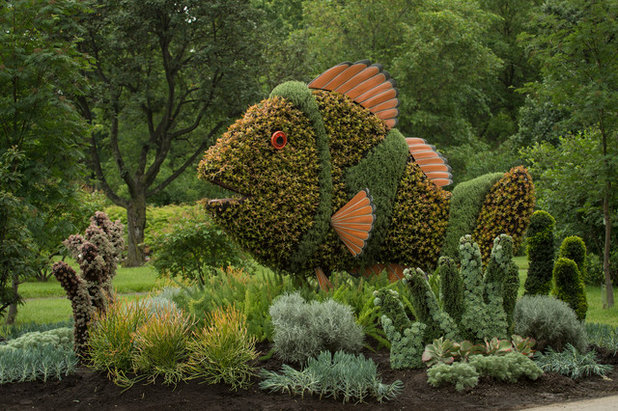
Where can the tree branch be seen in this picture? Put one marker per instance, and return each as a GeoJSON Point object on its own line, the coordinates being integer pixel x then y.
{"type": "Point", "coordinates": [189, 161]}
{"type": "Point", "coordinates": [96, 160]}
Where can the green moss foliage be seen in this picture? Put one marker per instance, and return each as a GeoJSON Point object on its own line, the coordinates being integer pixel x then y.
{"type": "Point", "coordinates": [570, 286]}
{"type": "Point", "coordinates": [506, 210]}
{"type": "Point", "coordinates": [282, 186]}
{"type": "Point", "coordinates": [380, 171]}
{"type": "Point", "coordinates": [466, 204]}
{"type": "Point", "coordinates": [451, 288]}
{"type": "Point", "coordinates": [420, 217]}
{"type": "Point", "coordinates": [540, 251]}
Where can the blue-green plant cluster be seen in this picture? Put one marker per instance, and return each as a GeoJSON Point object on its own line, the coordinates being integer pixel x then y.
{"type": "Point", "coordinates": [603, 335]}
{"type": "Point", "coordinates": [551, 322]}
{"type": "Point", "coordinates": [571, 362]}
{"type": "Point", "coordinates": [342, 376]}
{"type": "Point", "coordinates": [303, 329]}
{"type": "Point", "coordinates": [38, 355]}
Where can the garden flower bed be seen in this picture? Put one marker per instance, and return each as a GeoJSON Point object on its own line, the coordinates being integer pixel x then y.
{"type": "Point", "coordinates": [92, 389]}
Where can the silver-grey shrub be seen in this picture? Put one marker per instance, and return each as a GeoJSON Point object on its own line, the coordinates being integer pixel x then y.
{"type": "Point", "coordinates": [61, 338]}
{"type": "Point", "coordinates": [551, 322]}
{"type": "Point", "coordinates": [303, 330]}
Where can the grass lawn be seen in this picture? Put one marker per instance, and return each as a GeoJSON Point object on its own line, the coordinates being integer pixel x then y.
{"type": "Point", "coordinates": [51, 310]}
{"type": "Point", "coordinates": [127, 280]}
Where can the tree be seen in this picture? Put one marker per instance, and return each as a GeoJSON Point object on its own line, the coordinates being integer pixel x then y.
{"type": "Point", "coordinates": [575, 44]}
{"type": "Point", "coordinates": [167, 76]}
{"type": "Point", "coordinates": [40, 131]}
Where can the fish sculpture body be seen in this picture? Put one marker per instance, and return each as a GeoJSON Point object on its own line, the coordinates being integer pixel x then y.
{"type": "Point", "coordinates": [325, 182]}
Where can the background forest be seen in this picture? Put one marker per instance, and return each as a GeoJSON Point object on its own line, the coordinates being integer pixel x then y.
{"type": "Point", "coordinates": [123, 96]}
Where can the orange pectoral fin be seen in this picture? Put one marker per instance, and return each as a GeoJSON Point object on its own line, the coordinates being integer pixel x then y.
{"type": "Point", "coordinates": [354, 221]}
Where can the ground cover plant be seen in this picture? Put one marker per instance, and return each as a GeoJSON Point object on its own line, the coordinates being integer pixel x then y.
{"type": "Point", "coordinates": [571, 362]}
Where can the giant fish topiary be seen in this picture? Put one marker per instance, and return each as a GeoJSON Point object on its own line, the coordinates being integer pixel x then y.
{"type": "Point", "coordinates": [325, 182]}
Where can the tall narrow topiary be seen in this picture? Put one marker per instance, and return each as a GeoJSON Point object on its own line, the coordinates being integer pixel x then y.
{"type": "Point", "coordinates": [570, 286]}
{"type": "Point", "coordinates": [81, 303]}
{"type": "Point", "coordinates": [451, 287]}
{"type": "Point", "coordinates": [540, 253]}
{"type": "Point", "coordinates": [509, 293]}
{"type": "Point", "coordinates": [500, 259]}
{"type": "Point", "coordinates": [574, 248]}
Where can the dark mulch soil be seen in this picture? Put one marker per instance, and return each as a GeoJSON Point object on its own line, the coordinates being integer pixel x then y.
{"type": "Point", "coordinates": [90, 389]}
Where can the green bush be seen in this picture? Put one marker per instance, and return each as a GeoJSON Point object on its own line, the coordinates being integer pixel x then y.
{"type": "Point", "coordinates": [42, 362]}
{"type": "Point", "coordinates": [302, 330]}
{"type": "Point", "coordinates": [451, 288]}
{"type": "Point", "coordinates": [9, 332]}
{"type": "Point", "coordinates": [540, 251]}
{"type": "Point", "coordinates": [551, 322]}
{"type": "Point", "coordinates": [461, 374]}
{"type": "Point", "coordinates": [466, 204]}
{"type": "Point", "coordinates": [252, 294]}
{"type": "Point", "coordinates": [571, 363]}
{"type": "Point", "coordinates": [594, 270]}
{"type": "Point", "coordinates": [222, 351]}
{"type": "Point", "coordinates": [570, 287]}
{"type": "Point", "coordinates": [509, 367]}
{"type": "Point", "coordinates": [193, 249]}
{"type": "Point", "coordinates": [340, 376]}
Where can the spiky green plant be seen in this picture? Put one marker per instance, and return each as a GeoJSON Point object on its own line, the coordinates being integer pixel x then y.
{"type": "Point", "coordinates": [342, 376]}
{"type": "Point", "coordinates": [43, 362]}
{"type": "Point", "coordinates": [571, 362]}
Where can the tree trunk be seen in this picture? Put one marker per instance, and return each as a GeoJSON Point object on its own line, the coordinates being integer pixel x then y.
{"type": "Point", "coordinates": [608, 236]}
{"type": "Point", "coordinates": [10, 317]}
{"type": "Point", "coordinates": [136, 219]}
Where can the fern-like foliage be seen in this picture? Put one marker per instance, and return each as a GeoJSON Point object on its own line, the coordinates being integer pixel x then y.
{"type": "Point", "coordinates": [342, 376]}
{"type": "Point", "coordinates": [571, 362]}
{"type": "Point", "coordinates": [461, 374]}
{"type": "Point", "coordinates": [509, 367]}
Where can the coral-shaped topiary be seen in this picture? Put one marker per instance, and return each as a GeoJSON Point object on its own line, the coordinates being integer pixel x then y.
{"type": "Point", "coordinates": [81, 303]}
{"type": "Point", "coordinates": [451, 288]}
{"type": "Point", "coordinates": [480, 320]}
{"type": "Point", "coordinates": [97, 253]}
{"type": "Point", "coordinates": [406, 337]}
{"type": "Point", "coordinates": [570, 286]}
{"type": "Point", "coordinates": [540, 253]}
{"type": "Point", "coordinates": [427, 308]}
{"type": "Point", "coordinates": [506, 210]}
{"type": "Point", "coordinates": [500, 263]}
{"type": "Point", "coordinates": [574, 248]}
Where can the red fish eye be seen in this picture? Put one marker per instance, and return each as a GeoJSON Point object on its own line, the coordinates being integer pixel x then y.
{"type": "Point", "coordinates": [279, 140]}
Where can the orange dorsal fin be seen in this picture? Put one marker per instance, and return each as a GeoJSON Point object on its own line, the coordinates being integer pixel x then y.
{"type": "Point", "coordinates": [354, 222]}
{"type": "Point", "coordinates": [366, 84]}
{"type": "Point", "coordinates": [430, 161]}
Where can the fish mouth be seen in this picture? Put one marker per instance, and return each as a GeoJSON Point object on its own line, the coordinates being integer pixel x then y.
{"type": "Point", "coordinates": [218, 204]}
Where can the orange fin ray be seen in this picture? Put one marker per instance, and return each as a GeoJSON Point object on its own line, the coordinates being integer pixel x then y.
{"type": "Point", "coordinates": [365, 83]}
{"type": "Point", "coordinates": [354, 221]}
{"type": "Point", "coordinates": [430, 161]}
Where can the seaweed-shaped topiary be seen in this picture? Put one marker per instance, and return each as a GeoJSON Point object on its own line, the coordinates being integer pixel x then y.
{"type": "Point", "coordinates": [570, 286]}
{"type": "Point", "coordinates": [97, 254]}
